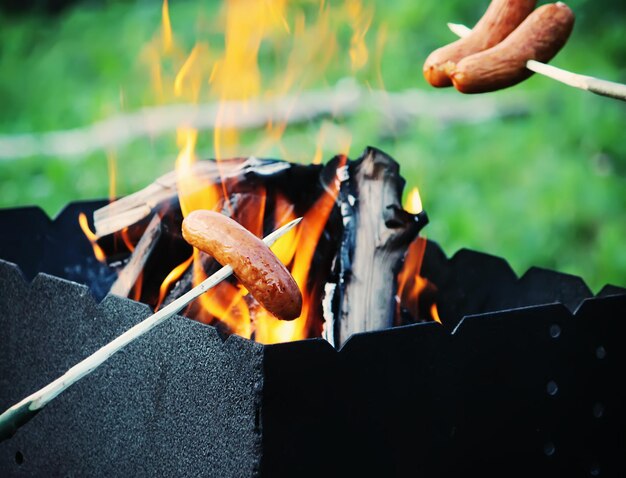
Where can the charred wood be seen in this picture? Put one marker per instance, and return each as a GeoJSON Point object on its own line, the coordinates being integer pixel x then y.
{"type": "Point", "coordinates": [376, 235]}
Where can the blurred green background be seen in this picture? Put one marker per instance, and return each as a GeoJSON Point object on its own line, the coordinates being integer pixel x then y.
{"type": "Point", "coordinates": [544, 188]}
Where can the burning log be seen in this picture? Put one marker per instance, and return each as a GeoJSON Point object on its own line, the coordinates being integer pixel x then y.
{"type": "Point", "coordinates": [377, 234]}
{"type": "Point", "coordinates": [347, 254]}
{"type": "Point", "coordinates": [134, 207]}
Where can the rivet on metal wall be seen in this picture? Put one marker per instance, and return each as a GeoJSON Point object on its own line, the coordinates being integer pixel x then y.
{"type": "Point", "coordinates": [555, 331]}
{"type": "Point", "coordinates": [549, 448]}
{"type": "Point", "coordinates": [598, 410]}
{"type": "Point", "coordinates": [552, 388]}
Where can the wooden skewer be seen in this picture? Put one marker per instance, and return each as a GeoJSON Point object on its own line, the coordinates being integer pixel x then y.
{"type": "Point", "coordinates": [598, 86]}
{"type": "Point", "coordinates": [23, 411]}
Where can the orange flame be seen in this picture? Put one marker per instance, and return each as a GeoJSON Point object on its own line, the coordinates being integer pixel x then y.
{"type": "Point", "coordinates": [224, 302]}
{"type": "Point", "coordinates": [284, 247]}
{"type": "Point", "coordinates": [172, 277]}
{"type": "Point", "coordinates": [126, 239]}
{"type": "Point", "coordinates": [411, 285]}
{"type": "Point", "coordinates": [434, 313]}
{"type": "Point", "coordinates": [91, 236]}
{"type": "Point", "coordinates": [309, 42]}
{"type": "Point", "coordinates": [137, 288]}
{"type": "Point", "coordinates": [268, 328]}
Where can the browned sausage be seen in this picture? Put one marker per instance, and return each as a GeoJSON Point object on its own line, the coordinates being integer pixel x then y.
{"type": "Point", "coordinates": [254, 264]}
{"type": "Point", "coordinates": [500, 19]}
{"type": "Point", "coordinates": [539, 37]}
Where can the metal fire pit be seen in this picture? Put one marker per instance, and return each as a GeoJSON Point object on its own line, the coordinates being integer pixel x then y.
{"type": "Point", "coordinates": [523, 380]}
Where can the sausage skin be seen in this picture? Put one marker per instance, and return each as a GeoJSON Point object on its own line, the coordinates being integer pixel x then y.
{"type": "Point", "coordinates": [539, 37]}
{"type": "Point", "coordinates": [500, 19]}
{"type": "Point", "coordinates": [253, 263]}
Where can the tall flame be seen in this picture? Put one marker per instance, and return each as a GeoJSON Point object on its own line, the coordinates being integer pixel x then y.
{"type": "Point", "coordinates": [303, 43]}
{"type": "Point", "coordinates": [361, 20]}
{"type": "Point", "coordinates": [411, 285]}
{"type": "Point", "coordinates": [166, 27]}
{"type": "Point", "coordinates": [268, 328]}
{"type": "Point", "coordinates": [193, 192]}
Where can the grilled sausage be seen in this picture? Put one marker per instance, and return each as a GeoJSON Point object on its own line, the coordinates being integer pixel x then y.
{"type": "Point", "coordinates": [539, 37]}
{"type": "Point", "coordinates": [253, 263]}
{"type": "Point", "coordinates": [500, 19]}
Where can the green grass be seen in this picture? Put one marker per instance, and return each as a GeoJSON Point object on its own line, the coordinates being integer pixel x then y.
{"type": "Point", "coordinates": [544, 189]}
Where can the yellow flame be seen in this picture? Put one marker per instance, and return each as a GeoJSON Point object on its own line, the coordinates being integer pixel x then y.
{"type": "Point", "coordinates": [193, 193]}
{"type": "Point", "coordinates": [285, 247]}
{"type": "Point", "coordinates": [304, 43]}
{"type": "Point", "coordinates": [360, 19]}
{"type": "Point", "coordinates": [166, 27]}
{"type": "Point", "coordinates": [238, 77]}
{"type": "Point", "coordinates": [225, 301]}
{"type": "Point", "coordinates": [112, 169]}
{"type": "Point", "coordinates": [414, 202]}
{"type": "Point", "coordinates": [91, 236]}
{"type": "Point", "coordinates": [184, 70]}
{"type": "Point", "coordinates": [193, 72]}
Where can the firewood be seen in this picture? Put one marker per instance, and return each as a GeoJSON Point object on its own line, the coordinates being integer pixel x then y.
{"type": "Point", "coordinates": [377, 234]}
{"type": "Point", "coordinates": [128, 276]}
{"type": "Point", "coordinates": [134, 207]}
